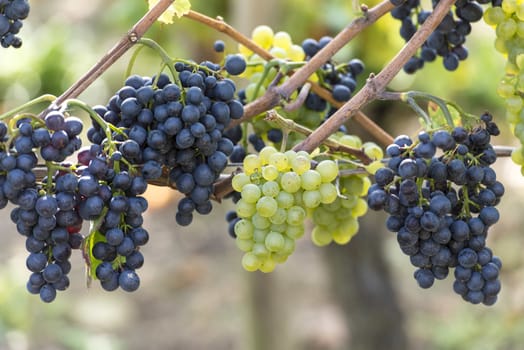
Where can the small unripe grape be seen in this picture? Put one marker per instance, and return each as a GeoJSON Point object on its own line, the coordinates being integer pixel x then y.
{"type": "Point", "coordinates": [244, 229]}
{"type": "Point", "coordinates": [251, 193]}
{"type": "Point", "coordinates": [300, 164]}
{"type": "Point", "coordinates": [311, 199]}
{"type": "Point", "coordinates": [311, 180]}
{"type": "Point", "coordinates": [282, 40]}
{"type": "Point", "coordinates": [268, 265]}
{"type": "Point", "coordinates": [244, 245]}
{"type": "Point", "coordinates": [271, 189]}
{"type": "Point", "coordinates": [270, 172]}
{"type": "Point", "coordinates": [320, 236]}
{"type": "Point", "coordinates": [328, 170]}
{"type": "Point", "coordinates": [265, 153]}
{"type": "Point", "coordinates": [251, 164]}
{"type": "Point", "coordinates": [290, 182]}
{"type": "Point", "coordinates": [266, 206]}
{"type": "Point", "coordinates": [239, 181]}
{"type": "Point", "coordinates": [373, 151]}
{"type": "Point", "coordinates": [275, 241]}
{"type": "Point", "coordinates": [263, 36]}
{"type": "Point", "coordinates": [328, 193]}
{"type": "Point", "coordinates": [250, 262]}
{"type": "Point", "coordinates": [280, 161]}
{"type": "Point", "coordinates": [296, 215]}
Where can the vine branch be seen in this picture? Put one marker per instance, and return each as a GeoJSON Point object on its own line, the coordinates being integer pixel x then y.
{"type": "Point", "coordinates": [273, 96]}
{"type": "Point", "coordinates": [377, 84]}
{"type": "Point", "coordinates": [121, 47]}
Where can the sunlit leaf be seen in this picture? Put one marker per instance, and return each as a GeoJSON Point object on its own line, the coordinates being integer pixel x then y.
{"type": "Point", "coordinates": [179, 8]}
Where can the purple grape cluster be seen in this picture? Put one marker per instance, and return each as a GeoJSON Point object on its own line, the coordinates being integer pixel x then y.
{"type": "Point", "coordinates": [448, 39]}
{"type": "Point", "coordinates": [175, 127]}
{"type": "Point", "coordinates": [109, 194]}
{"type": "Point", "coordinates": [45, 212]}
{"type": "Point", "coordinates": [441, 194]}
{"type": "Point", "coordinates": [12, 14]}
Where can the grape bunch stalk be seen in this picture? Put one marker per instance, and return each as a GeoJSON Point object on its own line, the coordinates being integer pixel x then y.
{"type": "Point", "coordinates": [441, 194]}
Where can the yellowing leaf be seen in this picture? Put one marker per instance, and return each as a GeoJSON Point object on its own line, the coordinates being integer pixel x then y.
{"type": "Point", "coordinates": [178, 8]}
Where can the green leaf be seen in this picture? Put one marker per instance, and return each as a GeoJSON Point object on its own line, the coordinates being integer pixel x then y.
{"type": "Point", "coordinates": [179, 8]}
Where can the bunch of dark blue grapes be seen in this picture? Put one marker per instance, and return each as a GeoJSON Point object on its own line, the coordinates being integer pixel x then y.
{"type": "Point", "coordinates": [45, 211]}
{"type": "Point", "coordinates": [340, 79]}
{"type": "Point", "coordinates": [176, 128]}
{"type": "Point", "coordinates": [441, 194]}
{"type": "Point", "coordinates": [109, 194]}
{"type": "Point", "coordinates": [12, 13]}
{"type": "Point", "coordinates": [449, 37]}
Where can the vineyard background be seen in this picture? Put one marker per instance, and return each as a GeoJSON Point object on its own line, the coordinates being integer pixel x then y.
{"type": "Point", "coordinates": [194, 293]}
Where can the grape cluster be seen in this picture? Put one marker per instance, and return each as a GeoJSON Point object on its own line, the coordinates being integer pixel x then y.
{"type": "Point", "coordinates": [449, 37]}
{"type": "Point", "coordinates": [442, 205]}
{"type": "Point", "coordinates": [109, 192]}
{"type": "Point", "coordinates": [12, 13]}
{"type": "Point", "coordinates": [340, 80]}
{"type": "Point", "coordinates": [45, 212]}
{"type": "Point", "coordinates": [338, 221]}
{"type": "Point", "coordinates": [175, 126]}
{"type": "Point", "coordinates": [508, 21]}
{"type": "Point", "coordinates": [276, 190]}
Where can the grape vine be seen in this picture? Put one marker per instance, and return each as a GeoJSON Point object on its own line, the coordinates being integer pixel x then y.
{"type": "Point", "coordinates": [276, 146]}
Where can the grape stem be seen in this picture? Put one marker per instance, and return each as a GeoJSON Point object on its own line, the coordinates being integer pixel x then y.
{"type": "Point", "coordinates": [273, 95]}
{"type": "Point", "coordinates": [289, 125]}
{"type": "Point", "coordinates": [27, 105]}
{"type": "Point", "coordinates": [377, 84]}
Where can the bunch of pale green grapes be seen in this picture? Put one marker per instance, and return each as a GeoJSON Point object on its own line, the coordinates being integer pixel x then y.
{"type": "Point", "coordinates": [281, 46]}
{"type": "Point", "coordinates": [276, 191]}
{"type": "Point", "coordinates": [338, 221]}
{"type": "Point", "coordinates": [508, 20]}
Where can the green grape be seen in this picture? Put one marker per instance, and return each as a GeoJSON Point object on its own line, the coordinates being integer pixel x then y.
{"type": "Point", "coordinates": [244, 245]}
{"type": "Point", "coordinates": [239, 180]}
{"type": "Point", "coordinates": [509, 6]}
{"type": "Point", "coordinates": [244, 229]}
{"type": "Point", "coordinates": [266, 206]}
{"type": "Point", "coordinates": [250, 193]}
{"type": "Point", "coordinates": [279, 227]}
{"type": "Point", "coordinates": [259, 236]}
{"type": "Point", "coordinates": [295, 231]}
{"type": "Point", "coordinates": [271, 189]}
{"type": "Point", "coordinates": [328, 193]}
{"type": "Point", "coordinates": [301, 164]}
{"type": "Point", "coordinates": [311, 199]}
{"type": "Point", "coordinates": [285, 199]}
{"type": "Point", "coordinates": [320, 236]}
{"type": "Point", "coordinates": [250, 262]}
{"type": "Point", "coordinates": [260, 250]}
{"type": "Point", "coordinates": [270, 172]}
{"type": "Point", "coordinates": [260, 222]}
{"type": "Point", "coordinates": [494, 15]}
{"type": "Point", "coordinates": [328, 170]}
{"type": "Point", "coordinates": [290, 182]}
{"type": "Point", "coordinates": [275, 241]}
{"type": "Point", "coordinates": [373, 151]}
{"type": "Point", "coordinates": [263, 36]}
{"type": "Point", "coordinates": [296, 215]}
{"type": "Point", "coordinates": [289, 246]}
{"type": "Point", "coordinates": [282, 40]}
{"type": "Point", "coordinates": [244, 209]}
{"type": "Point", "coordinates": [251, 164]}
{"type": "Point", "coordinates": [280, 161]}
{"type": "Point", "coordinates": [265, 153]}
{"type": "Point", "coordinates": [268, 265]}
{"type": "Point", "coordinates": [506, 29]}
{"type": "Point", "coordinates": [279, 217]}
{"type": "Point", "coordinates": [311, 180]}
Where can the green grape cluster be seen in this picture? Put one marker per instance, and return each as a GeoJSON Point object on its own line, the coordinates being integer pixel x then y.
{"type": "Point", "coordinates": [276, 191]}
{"type": "Point", "coordinates": [338, 221]}
{"type": "Point", "coordinates": [508, 20]}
